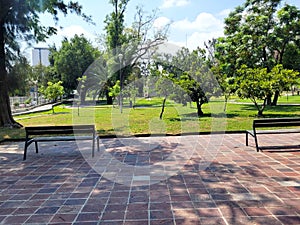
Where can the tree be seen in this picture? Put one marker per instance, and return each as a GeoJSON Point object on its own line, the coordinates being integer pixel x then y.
{"type": "Point", "coordinates": [53, 91]}
{"type": "Point", "coordinates": [194, 88]}
{"type": "Point", "coordinates": [97, 77]}
{"type": "Point", "coordinates": [257, 84]}
{"type": "Point", "coordinates": [132, 88]}
{"type": "Point", "coordinates": [38, 78]}
{"type": "Point", "coordinates": [283, 79]}
{"type": "Point", "coordinates": [286, 33]}
{"type": "Point", "coordinates": [114, 38]}
{"type": "Point", "coordinates": [114, 92]}
{"type": "Point", "coordinates": [37, 75]}
{"type": "Point", "coordinates": [254, 84]}
{"type": "Point", "coordinates": [72, 60]}
{"type": "Point", "coordinates": [18, 77]}
{"type": "Point", "coordinates": [81, 88]}
{"type": "Point", "coordinates": [291, 59]}
{"type": "Point", "coordinates": [165, 87]}
{"type": "Point", "coordinates": [115, 25]}
{"type": "Point", "coordinates": [191, 72]}
{"type": "Point", "coordinates": [227, 83]}
{"type": "Point", "coordinates": [257, 34]}
{"type": "Point", "coordinates": [132, 43]}
{"type": "Point", "coordinates": [19, 20]}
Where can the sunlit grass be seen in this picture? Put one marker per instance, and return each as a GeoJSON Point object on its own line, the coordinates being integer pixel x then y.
{"type": "Point", "coordinates": [143, 119]}
{"type": "Point", "coordinates": [285, 98]}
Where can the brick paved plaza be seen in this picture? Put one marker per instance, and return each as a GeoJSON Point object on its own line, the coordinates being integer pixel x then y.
{"type": "Point", "coordinates": [207, 179]}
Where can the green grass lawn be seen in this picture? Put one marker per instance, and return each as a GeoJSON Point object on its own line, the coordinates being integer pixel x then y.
{"type": "Point", "coordinates": [283, 99]}
{"type": "Point", "coordinates": [144, 118]}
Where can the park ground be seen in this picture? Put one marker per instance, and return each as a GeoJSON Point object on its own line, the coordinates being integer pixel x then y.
{"type": "Point", "coordinates": [171, 180]}
{"type": "Point", "coordinates": [221, 182]}
{"type": "Point", "coordinates": [144, 118]}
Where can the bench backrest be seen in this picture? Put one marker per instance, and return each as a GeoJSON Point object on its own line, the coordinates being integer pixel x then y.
{"type": "Point", "coordinates": [74, 129]}
{"type": "Point", "coordinates": [276, 122]}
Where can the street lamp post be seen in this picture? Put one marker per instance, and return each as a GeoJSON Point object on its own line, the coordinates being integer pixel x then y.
{"type": "Point", "coordinates": [121, 97]}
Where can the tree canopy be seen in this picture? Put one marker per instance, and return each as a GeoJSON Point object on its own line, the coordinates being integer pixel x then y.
{"type": "Point", "coordinates": [52, 91]}
{"type": "Point", "coordinates": [125, 46]}
{"type": "Point", "coordinates": [189, 70]}
{"type": "Point", "coordinates": [258, 34]}
{"type": "Point", "coordinates": [257, 84]}
{"type": "Point", "coordinates": [20, 21]}
{"type": "Point", "coordinates": [72, 60]}
{"type": "Point", "coordinates": [18, 83]}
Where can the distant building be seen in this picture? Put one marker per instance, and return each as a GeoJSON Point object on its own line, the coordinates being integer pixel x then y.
{"type": "Point", "coordinates": [40, 56]}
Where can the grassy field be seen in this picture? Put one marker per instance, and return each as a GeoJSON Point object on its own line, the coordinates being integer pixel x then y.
{"type": "Point", "coordinates": [144, 118]}
{"type": "Point", "coordinates": [283, 99]}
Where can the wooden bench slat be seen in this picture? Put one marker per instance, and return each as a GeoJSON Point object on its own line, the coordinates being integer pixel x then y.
{"type": "Point", "coordinates": [59, 127]}
{"type": "Point", "coordinates": [283, 119]}
{"type": "Point", "coordinates": [280, 131]}
{"type": "Point", "coordinates": [279, 124]}
{"type": "Point", "coordinates": [61, 138]}
{"type": "Point", "coordinates": [49, 132]}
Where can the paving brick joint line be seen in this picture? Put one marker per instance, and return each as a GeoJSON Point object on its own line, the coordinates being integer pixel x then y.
{"type": "Point", "coordinates": [239, 186]}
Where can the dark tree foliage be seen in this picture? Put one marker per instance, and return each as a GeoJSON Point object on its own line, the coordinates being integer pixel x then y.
{"type": "Point", "coordinates": [18, 77]}
{"type": "Point", "coordinates": [115, 25]}
{"type": "Point", "coordinates": [72, 60]}
{"type": "Point", "coordinates": [258, 34]}
{"type": "Point", "coordinates": [190, 71]}
{"type": "Point", "coordinates": [20, 20]}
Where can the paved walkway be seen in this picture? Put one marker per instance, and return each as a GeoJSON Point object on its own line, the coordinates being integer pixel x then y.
{"type": "Point", "coordinates": [209, 179]}
{"type": "Point", "coordinates": [41, 108]}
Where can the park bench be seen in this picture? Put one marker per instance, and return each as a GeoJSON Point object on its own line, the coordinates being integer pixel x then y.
{"type": "Point", "coordinates": [283, 125]}
{"type": "Point", "coordinates": [60, 133]}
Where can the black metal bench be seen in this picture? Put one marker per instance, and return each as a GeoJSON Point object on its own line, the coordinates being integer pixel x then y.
{"type": "Point", "coordinates": [67, 133]}
{"type": "Point", "coordinates": [284, 125]}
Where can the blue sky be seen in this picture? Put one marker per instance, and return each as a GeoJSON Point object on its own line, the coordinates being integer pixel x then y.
{"type": "Point", "coordinates": [192, 21]}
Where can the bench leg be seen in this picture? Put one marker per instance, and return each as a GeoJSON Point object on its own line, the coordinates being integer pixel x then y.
{"type": "Point", "coordinates": [36, 147]}
{"type": "Point", "coordinates": [28, 141]}
{"type": "Point", "coordinates": [256, 142]}
{"type": "Point", "coordinates": [25, 150]}
{"type": "Point", "coordinates": [98, 149]}
{"type": "Point", "coordinates": [93, 147]}
{"type": "Point", "coordinates": [247, 138]}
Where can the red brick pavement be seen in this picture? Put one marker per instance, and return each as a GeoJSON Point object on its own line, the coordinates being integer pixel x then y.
{"type": "Point", "coordinates": [229, 184]}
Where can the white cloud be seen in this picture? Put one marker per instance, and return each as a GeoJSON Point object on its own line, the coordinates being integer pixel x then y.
{"type": "Point", "coordinates": [204, 22]}
{"type": "Point", "coordinates": [224, 13]}
{"type": "Point", "coordinates": [67, 32]}
{"type": "Point", "coordinates": [198, 39]}
{"type": "Point", "coordinates": [70, 32]}
{"type": "Point", "coordinates": [169, 48]}
{"type": "Point", "coordinates": [161, 22]}
{"type": "Point", "coordinates": [174, 3]}
{"type": "Point", "coordinates": [204, 28]}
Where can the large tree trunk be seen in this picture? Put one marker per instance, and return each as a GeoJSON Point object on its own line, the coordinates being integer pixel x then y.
{"type": "Point", "coordinates": [260, 113]}
{"type": "Point", "coordinates": [269, 100]}
{"type": "Point", "coordinates": [261, 109]}
{"type": "Point", "coordinates": [6, 119]}
{"type": "Point", "coordinates": [275, 99]}
{"type": "Point", "coordinates": [109, 99]}
{"type": "Point", "coordinates": [199, 109]}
